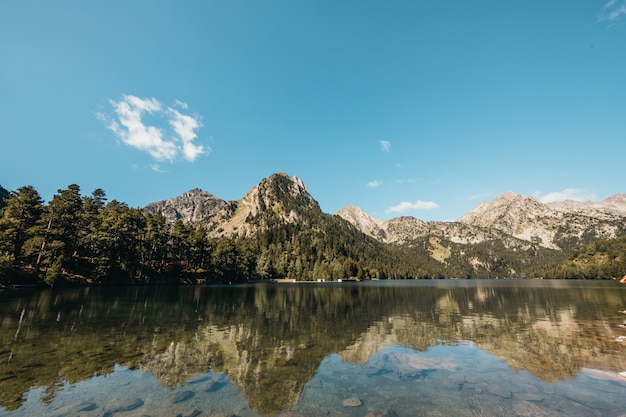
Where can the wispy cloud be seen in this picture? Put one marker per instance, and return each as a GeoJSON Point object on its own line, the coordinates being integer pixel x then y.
{"type": "Point", "coordinates": [575, 194]}
{"type": "Point", "coordinates": [161, 143]}
{"type": "Point", "coordinates": [479, 196]}
{"type": "Point", "coordinates": [385, 145]}
{"type": "Point", "coordinates": [407, 206]}
{"type": "Point", "coordinates": [374, 183]}
{"type": "Point", "coordinates": [405, 181]}
{"type": "Point", "coordinates": [613, 10]}
{"type": "Point", "coordinates": [181, 104]}
{"type": "Point", "coordinates": [156, 168]}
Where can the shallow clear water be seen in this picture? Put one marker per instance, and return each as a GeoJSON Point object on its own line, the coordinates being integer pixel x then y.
{"type": "Point", "coordinates": [402, 348]}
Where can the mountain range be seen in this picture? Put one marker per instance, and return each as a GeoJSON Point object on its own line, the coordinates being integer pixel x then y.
{"type": "Point", "coordinates": [512, 233]}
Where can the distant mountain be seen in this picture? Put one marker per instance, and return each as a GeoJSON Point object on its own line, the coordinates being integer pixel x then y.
{"type": "Point", "coordinates": [560, 226]}
{"type": "Point", "coordinates": [406, 229]}
{"type": "Point", "coordinates": [192, 206]}
{"type": "Point", "coordinates": [614, 205]}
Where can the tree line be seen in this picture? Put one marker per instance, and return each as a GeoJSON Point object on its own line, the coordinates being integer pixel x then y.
{"type": "Point", "coordinates": [87, 239]}
{"type": "Point", "coordinates": [79, 238]}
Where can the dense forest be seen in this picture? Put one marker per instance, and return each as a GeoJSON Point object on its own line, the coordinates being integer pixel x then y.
{"type": "Point", "coordinates": [85, 239]}
{"type": "Point", "coordinates": [80, 239]}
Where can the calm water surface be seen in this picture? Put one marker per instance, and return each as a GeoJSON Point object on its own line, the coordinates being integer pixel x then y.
{"type": "Point", "coordinates": [402, 348]}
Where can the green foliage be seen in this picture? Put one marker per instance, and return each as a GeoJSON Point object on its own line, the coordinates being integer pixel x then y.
{"type": "Point", "coordinates": [19, 219]}
{"type": "Point", "coordinates": [85, 239]}
{"type": "Point", "coordinates": [53, 273]}
{"type": "Point", "coordinates": [605, 259]}
{"type": "Point", "coordinates": [4, 193]}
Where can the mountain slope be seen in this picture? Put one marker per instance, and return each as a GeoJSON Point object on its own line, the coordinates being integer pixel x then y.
{"type": "Point", "coordinates": [556, 226]}
{"type": "Point", "coordinates": [285, 233]}
{"type": "Point", "coordinates": [278, 198]}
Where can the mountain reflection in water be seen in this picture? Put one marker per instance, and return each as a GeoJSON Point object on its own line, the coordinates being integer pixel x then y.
{"type": "Point", "coordinates": [299, 349]}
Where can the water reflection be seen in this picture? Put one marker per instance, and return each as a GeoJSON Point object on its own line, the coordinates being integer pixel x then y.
{"type": "Point", "coordinates": [278, 348]}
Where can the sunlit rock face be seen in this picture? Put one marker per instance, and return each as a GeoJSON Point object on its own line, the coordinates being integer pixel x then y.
{"type": "Point", "coordinates": [514, 220]}
{"type": "Point", "coordinates": [552, 225]}
{"type": "Point", "coordinates": [364, 222]}
{"type": "Point", "coordinates": [277, 198]}
{"type": "Point", "coordinates": [192, 206]}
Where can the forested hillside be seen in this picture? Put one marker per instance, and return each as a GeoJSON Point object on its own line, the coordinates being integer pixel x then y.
{"type": "Point", "coordinates": [605, 259]}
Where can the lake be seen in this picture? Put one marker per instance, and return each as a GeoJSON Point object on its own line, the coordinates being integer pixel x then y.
{"type": "Point", "coordinates": [381, 348]}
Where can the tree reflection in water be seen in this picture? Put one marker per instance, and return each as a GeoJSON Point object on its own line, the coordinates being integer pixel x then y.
{"type": "Point", "coordinates": [270, 341]}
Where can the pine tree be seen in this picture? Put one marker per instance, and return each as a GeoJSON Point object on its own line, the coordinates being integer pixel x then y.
{"type": "Point", "coordinates": [19, 220]}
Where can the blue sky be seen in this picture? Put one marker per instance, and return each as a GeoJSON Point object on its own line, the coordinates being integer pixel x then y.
{"type": "Point", "coordinates": [419, 108]}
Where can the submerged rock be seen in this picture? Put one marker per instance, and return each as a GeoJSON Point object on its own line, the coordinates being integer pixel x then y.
{"type": "Point", "coordinates": [179, 397]}
{"type": "Point", "coordinates": [74, 409]}
{"type": "Point", "coordinates": [125, 405]}
{"type": "Point", "coordinates": [352, 402]}
{"type": "Point", "coordinates": [194, 413]}
{"type": "Point", "coordinates": [213, 386]}
{"type": "Point", "coordinates": [383, 413]}
{"type": "Point", "coordinates": [499, 391]}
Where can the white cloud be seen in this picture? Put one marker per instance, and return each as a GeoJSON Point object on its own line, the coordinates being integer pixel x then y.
{"type": "Point", "coordinates": [161, 143]}
{"type": "Point", "coordinates": [479, 196]}
{"type": "Point", "coordinates": [185, 127]}
{"type": "Point", "coordinates": [156, 168]}
{"type": "Point", "coordinates": [575, 194]}
{"type": "Point", "coordinates": [374, 183]}
{"type": "Point", "coordinates": [385, 145]}
{"type": "Point", "coordinates": [613, 10]}
{"type": "Point", "coordinates": [418, 205]}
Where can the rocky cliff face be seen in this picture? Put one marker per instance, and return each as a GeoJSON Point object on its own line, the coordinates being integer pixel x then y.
{"type": "Point", "coordinates": [192, 206]}
{"type": "Point", "coordinates": [364, 222]}
{"type": "Point", "coordinates": [278, 198]}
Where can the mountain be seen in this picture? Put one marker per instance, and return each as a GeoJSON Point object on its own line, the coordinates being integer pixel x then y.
{"type": "Point", "coordinates": [192, 206]}
{"type": "Point", "coordinates": [614, 205]}
{"type": "Point", "coordinates": [362, 221]}
{"type": "Point", "coordinates": [278, 198]}
{"type": "Point", "coordinates": [286, 230]}
{"type": "Point", "coordinates": [513, 219]}
{"type": "Point", "coordinates": [555, 226]}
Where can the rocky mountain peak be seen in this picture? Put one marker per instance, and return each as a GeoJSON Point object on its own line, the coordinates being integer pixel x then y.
{"type": "Point", "coordinates": [278, 197]}
{"type": "Point", "coordinates": [616, 202]}
{"type": "Point", "coordinates": [364, 222]}
{"type": "Point", "coordinates": [191, 206]}
{"type": "Point", "coordinates": [276, 191]}
{"type": "Point", "coordinates": [505, 211]}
